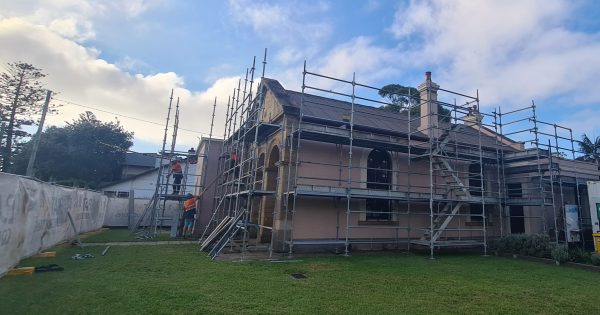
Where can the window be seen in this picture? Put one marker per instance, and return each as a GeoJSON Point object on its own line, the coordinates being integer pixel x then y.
{"type": "Point", "coordinates": [475, 179]}
{"type": "Point", "coordinates": [118, 194]}
{"type": "Point", "coordinates": [476, 212]}
{"type": "Point", "coordinates": [517, 220]}
{"type": "Point", "coordinates": [123, 194]}
{"type": "Point", "coordinates": [379, 176]}
{"type": "Point", "coordinates": [514, 190]}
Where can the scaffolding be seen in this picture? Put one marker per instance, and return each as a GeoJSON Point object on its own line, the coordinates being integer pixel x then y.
{"type": "Point", "coordinates": [438, 172]}
{"type": "Point", "coordinates": [154, 219]}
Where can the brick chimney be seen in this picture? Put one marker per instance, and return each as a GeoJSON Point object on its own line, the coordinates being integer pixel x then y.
{"type": "Point", "coordinates": [429, 107]}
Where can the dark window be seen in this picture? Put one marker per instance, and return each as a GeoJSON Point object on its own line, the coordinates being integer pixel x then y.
{"type": "Point", "coordinates": [475, 179]}
{"type": "Point", "coordinates": [517, 220]}
{"type": "Point", "coordinates": [123, 194]}
{"type": "Point", "coordinates": [379, 176]}
{"type": "Point", "coordinates": [476, 213]}
{"type": "Point", "coordinates": [118, 194]}
{"type": "Point", "coordinates": [514, 190]}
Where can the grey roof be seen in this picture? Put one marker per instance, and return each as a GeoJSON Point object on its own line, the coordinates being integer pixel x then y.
{"type": "Point", "coordinates": [140, 159]}
{"type": "Point", "coordinates": [365, 117]}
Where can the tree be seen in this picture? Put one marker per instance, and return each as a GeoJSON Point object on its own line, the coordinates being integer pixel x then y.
{"type": "Point", "coordinates": [590, 150]}
{"type": "Point", "coordinates": [85, 151]}
{"type": "Point", "coordinates": [402, 97]}
{"type": "Point", "coordinates": [21, 96]}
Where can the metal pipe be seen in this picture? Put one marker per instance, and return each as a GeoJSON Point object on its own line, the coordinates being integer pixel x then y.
{"type": "Point", "coordinates": [349, 184]}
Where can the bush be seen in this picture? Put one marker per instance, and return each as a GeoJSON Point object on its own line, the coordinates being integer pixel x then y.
{"type": "Point", "coordinates": [537, 245]}
{"type": "Point", "coordinates": [595, 258]}
{"type": "Point", "coordinates": [579, 255]}
{"type": "Point", "coordinates": [560, 253]}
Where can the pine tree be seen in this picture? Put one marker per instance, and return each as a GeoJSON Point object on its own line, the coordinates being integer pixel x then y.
{"type": "Point", "coordinates": [21, 99]}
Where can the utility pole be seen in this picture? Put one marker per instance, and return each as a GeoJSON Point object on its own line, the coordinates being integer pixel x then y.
{"type": "Point", "coordinates": [38, 135]}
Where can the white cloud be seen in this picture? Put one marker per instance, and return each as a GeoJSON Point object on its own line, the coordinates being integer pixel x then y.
{"type": "Point", "coordinates": [73, 19]}
{"type": "Point", "coordinates": [512, 51]}
{"type": "Point", "coordinates": [369, 61]}
{"type": "Point", "coordinates": [79, 31]}
{"type": "Point", "coordinates": [298, 27]}
{"type": "Point", "coordinates": [77, 73]}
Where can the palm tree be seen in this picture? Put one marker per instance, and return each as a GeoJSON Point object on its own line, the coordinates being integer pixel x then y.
{"type": "Point", "coordinates": [590, 150]}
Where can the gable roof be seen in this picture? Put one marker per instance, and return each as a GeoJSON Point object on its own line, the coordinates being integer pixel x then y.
{"type": "Point", "coordinates": [368, 118]}
{"type": "Point", "coordinates": [140, 159]}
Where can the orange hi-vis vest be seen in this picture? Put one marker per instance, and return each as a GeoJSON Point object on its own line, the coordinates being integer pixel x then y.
{"type": "Point", "coordinates": [190, 204]}
{"type": "Point", "coordinates": [176, 168]}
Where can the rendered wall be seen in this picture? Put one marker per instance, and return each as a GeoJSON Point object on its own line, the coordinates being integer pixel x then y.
{"type": "Point", "coordinates": [118, 214]}
{"type": "Point", "coordinates": [207, 181]}
{"type": "Point", "coordinates": [325, 218]}
{"type": "Point", "coordinates": [33, 216]}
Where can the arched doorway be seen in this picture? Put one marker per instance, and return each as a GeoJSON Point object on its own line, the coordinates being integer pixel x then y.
{"type": "Point", "coordinates": [379, 176]}
{"type": "Point", "coordinates": [271, 175]}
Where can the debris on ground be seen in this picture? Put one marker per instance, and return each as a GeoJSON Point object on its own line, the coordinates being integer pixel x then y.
{"type": "Point", "coordinates": [298, 275]}
{"type": "Point", "coordinates": [21, 271]}
{"type": "Point", "coordinates": [82, 256]}
{"type": "Point", "coordinates": [50, 267]}
{"type": "Point", "coordinates": [45, 255]}
{"type": "Point", "coordinates": [105, 250]}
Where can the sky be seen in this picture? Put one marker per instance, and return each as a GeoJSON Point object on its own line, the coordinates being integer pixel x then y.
{"type": "Point", "coordinates": [121, 58]}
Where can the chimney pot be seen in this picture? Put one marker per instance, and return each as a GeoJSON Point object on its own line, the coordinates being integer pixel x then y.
{"type": "Point", "coordinates": [428, 76]}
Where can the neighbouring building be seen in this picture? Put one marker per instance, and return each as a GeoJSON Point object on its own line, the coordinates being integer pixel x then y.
{"type": "Point", "coordinates": [136, 163]}
{"type": "Point", "coordinates": [143, 185]}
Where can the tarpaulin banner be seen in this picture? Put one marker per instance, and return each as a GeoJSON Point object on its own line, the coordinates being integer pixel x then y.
{"type": "Point", "coordinates": [34, 216]}
{"type": "Point", "coordinates": [572, 223]}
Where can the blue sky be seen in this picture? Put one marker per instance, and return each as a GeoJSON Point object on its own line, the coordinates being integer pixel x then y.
{"type": "Point", "coordinates": [125, 56]}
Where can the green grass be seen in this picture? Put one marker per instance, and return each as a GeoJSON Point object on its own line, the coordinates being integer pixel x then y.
{"type": "Point", "coordinates": [177, 279]}
{"type": "Point", "coordinates": [123, 235]}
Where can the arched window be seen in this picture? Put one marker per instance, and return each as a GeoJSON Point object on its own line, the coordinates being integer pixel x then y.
{"type": "Point", "coordinates": [379, 176]}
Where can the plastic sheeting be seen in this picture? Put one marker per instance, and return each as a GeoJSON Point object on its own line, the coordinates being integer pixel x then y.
{"type": "Point", "coordinates": [33, 216]}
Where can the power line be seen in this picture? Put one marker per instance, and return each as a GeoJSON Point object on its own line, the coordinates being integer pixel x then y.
{"type": "Point", "coordinates": [125, 116]}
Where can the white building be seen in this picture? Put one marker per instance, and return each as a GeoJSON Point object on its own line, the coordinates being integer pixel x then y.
{"type": "Point", "coordinates": [143, 184]}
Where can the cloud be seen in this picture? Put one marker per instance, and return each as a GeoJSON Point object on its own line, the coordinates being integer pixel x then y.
{"type": "Point", "coordinates": [80, 76]}
{"type": "Point", "coordinates": [360, 55]}
{"type": "Point", "coordinates": [74, 19]}
{"type": "Point", "coordinates": [512, 51]}
{"type": "Point", "coordinates": [298, 27]}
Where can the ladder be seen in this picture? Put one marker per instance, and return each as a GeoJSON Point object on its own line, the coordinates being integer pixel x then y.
{"type": "Point", "coordinates": [234, 225]}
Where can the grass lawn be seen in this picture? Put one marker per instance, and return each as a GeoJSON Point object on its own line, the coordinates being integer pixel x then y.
{"type": "Point", "coordinates": [123, 235]}
{"type": "Point", "coordinates": [177, 279]}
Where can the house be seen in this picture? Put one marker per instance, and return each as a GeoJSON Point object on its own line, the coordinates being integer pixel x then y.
{"type": "Point", "coordinates": [143, 184]}
{"type": "Point", "coordinates": [136, 163]}
{"type": "Point", "coordinates": [325, 167]}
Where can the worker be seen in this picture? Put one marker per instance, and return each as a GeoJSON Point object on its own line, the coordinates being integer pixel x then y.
{"type": "Point", "coordinates": [189, 214]}
{"type": "Point", "coordinates": [177, 173]}
{"type": "Point", "coordinates": [192, 156]}
{"type": "Point", "coordinates": [234, 161]}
